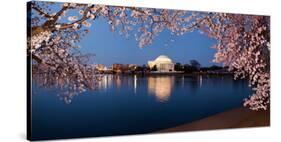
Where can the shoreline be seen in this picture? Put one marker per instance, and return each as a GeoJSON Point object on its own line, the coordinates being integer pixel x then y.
{"type": "Point", "coordinates": [235, 118]}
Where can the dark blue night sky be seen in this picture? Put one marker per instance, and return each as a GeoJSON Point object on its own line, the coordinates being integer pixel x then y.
{"type": "Point", "coordinates": [111, 47]}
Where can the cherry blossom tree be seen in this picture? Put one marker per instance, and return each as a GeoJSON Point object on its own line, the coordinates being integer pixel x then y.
{"type": "Point", "coordinates": [243, 42]}
{"type": "Point", "coordinates": [244, 46]}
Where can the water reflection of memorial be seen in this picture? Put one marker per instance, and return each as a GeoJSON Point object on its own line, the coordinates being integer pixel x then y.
{"type": "Point", "coordinates": [161, 87]}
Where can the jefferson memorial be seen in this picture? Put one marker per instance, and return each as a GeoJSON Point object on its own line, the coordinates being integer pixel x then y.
{"type": "Point", "coordinates": [163, 64]}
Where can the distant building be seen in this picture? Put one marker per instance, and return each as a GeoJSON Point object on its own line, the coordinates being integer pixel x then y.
{"type": "Point", "coordinates": [163, 64]}
{"type": "Point", "coordinates": [119, 68]}
{"type": "Point", "coordinates": [100, 67]}
{"type": "Point", "coordinates": [132, 66]}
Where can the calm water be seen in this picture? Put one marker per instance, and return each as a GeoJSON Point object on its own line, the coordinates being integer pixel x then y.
{"type": "Point", "coordinates": [134, 104]}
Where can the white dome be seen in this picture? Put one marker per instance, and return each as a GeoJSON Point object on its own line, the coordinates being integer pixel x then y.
{"type": "Point", "coordinates": [163, 58]}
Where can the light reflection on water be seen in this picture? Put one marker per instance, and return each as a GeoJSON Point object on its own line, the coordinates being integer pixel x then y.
{"type": "Point", "coordinates": [161, 87]}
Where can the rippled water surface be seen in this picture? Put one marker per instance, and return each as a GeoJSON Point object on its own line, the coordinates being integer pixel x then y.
{"type": "Point", "coordinates": [132, 104]}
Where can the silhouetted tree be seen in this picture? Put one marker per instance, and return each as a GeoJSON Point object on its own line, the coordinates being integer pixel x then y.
{"type": "Point", "coordinates": [195, 64]}
{"type": "Point", "coordinates": [139, 69]}
{"type": "Point", "coordinates": [154, 68]}
{"type": "Point", "coordinates": [214, 67]}
{"type": "Point", "coordinates": [189, 69]}
{"type": "Point", "coordinates": [178, 67]}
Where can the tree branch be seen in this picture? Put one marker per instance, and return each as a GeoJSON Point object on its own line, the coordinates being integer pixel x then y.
{"type": "Point", "coordinates": [84, 17]}
{"type": "Point", "coordinates": [40, 10]}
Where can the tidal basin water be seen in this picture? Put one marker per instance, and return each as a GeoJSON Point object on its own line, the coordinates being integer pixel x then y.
{"type": "Point", "coordinates": [133, 104]}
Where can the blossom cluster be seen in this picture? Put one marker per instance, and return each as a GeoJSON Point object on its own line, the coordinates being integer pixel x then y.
{"type": "Point", "coordinates": [244, 46]}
